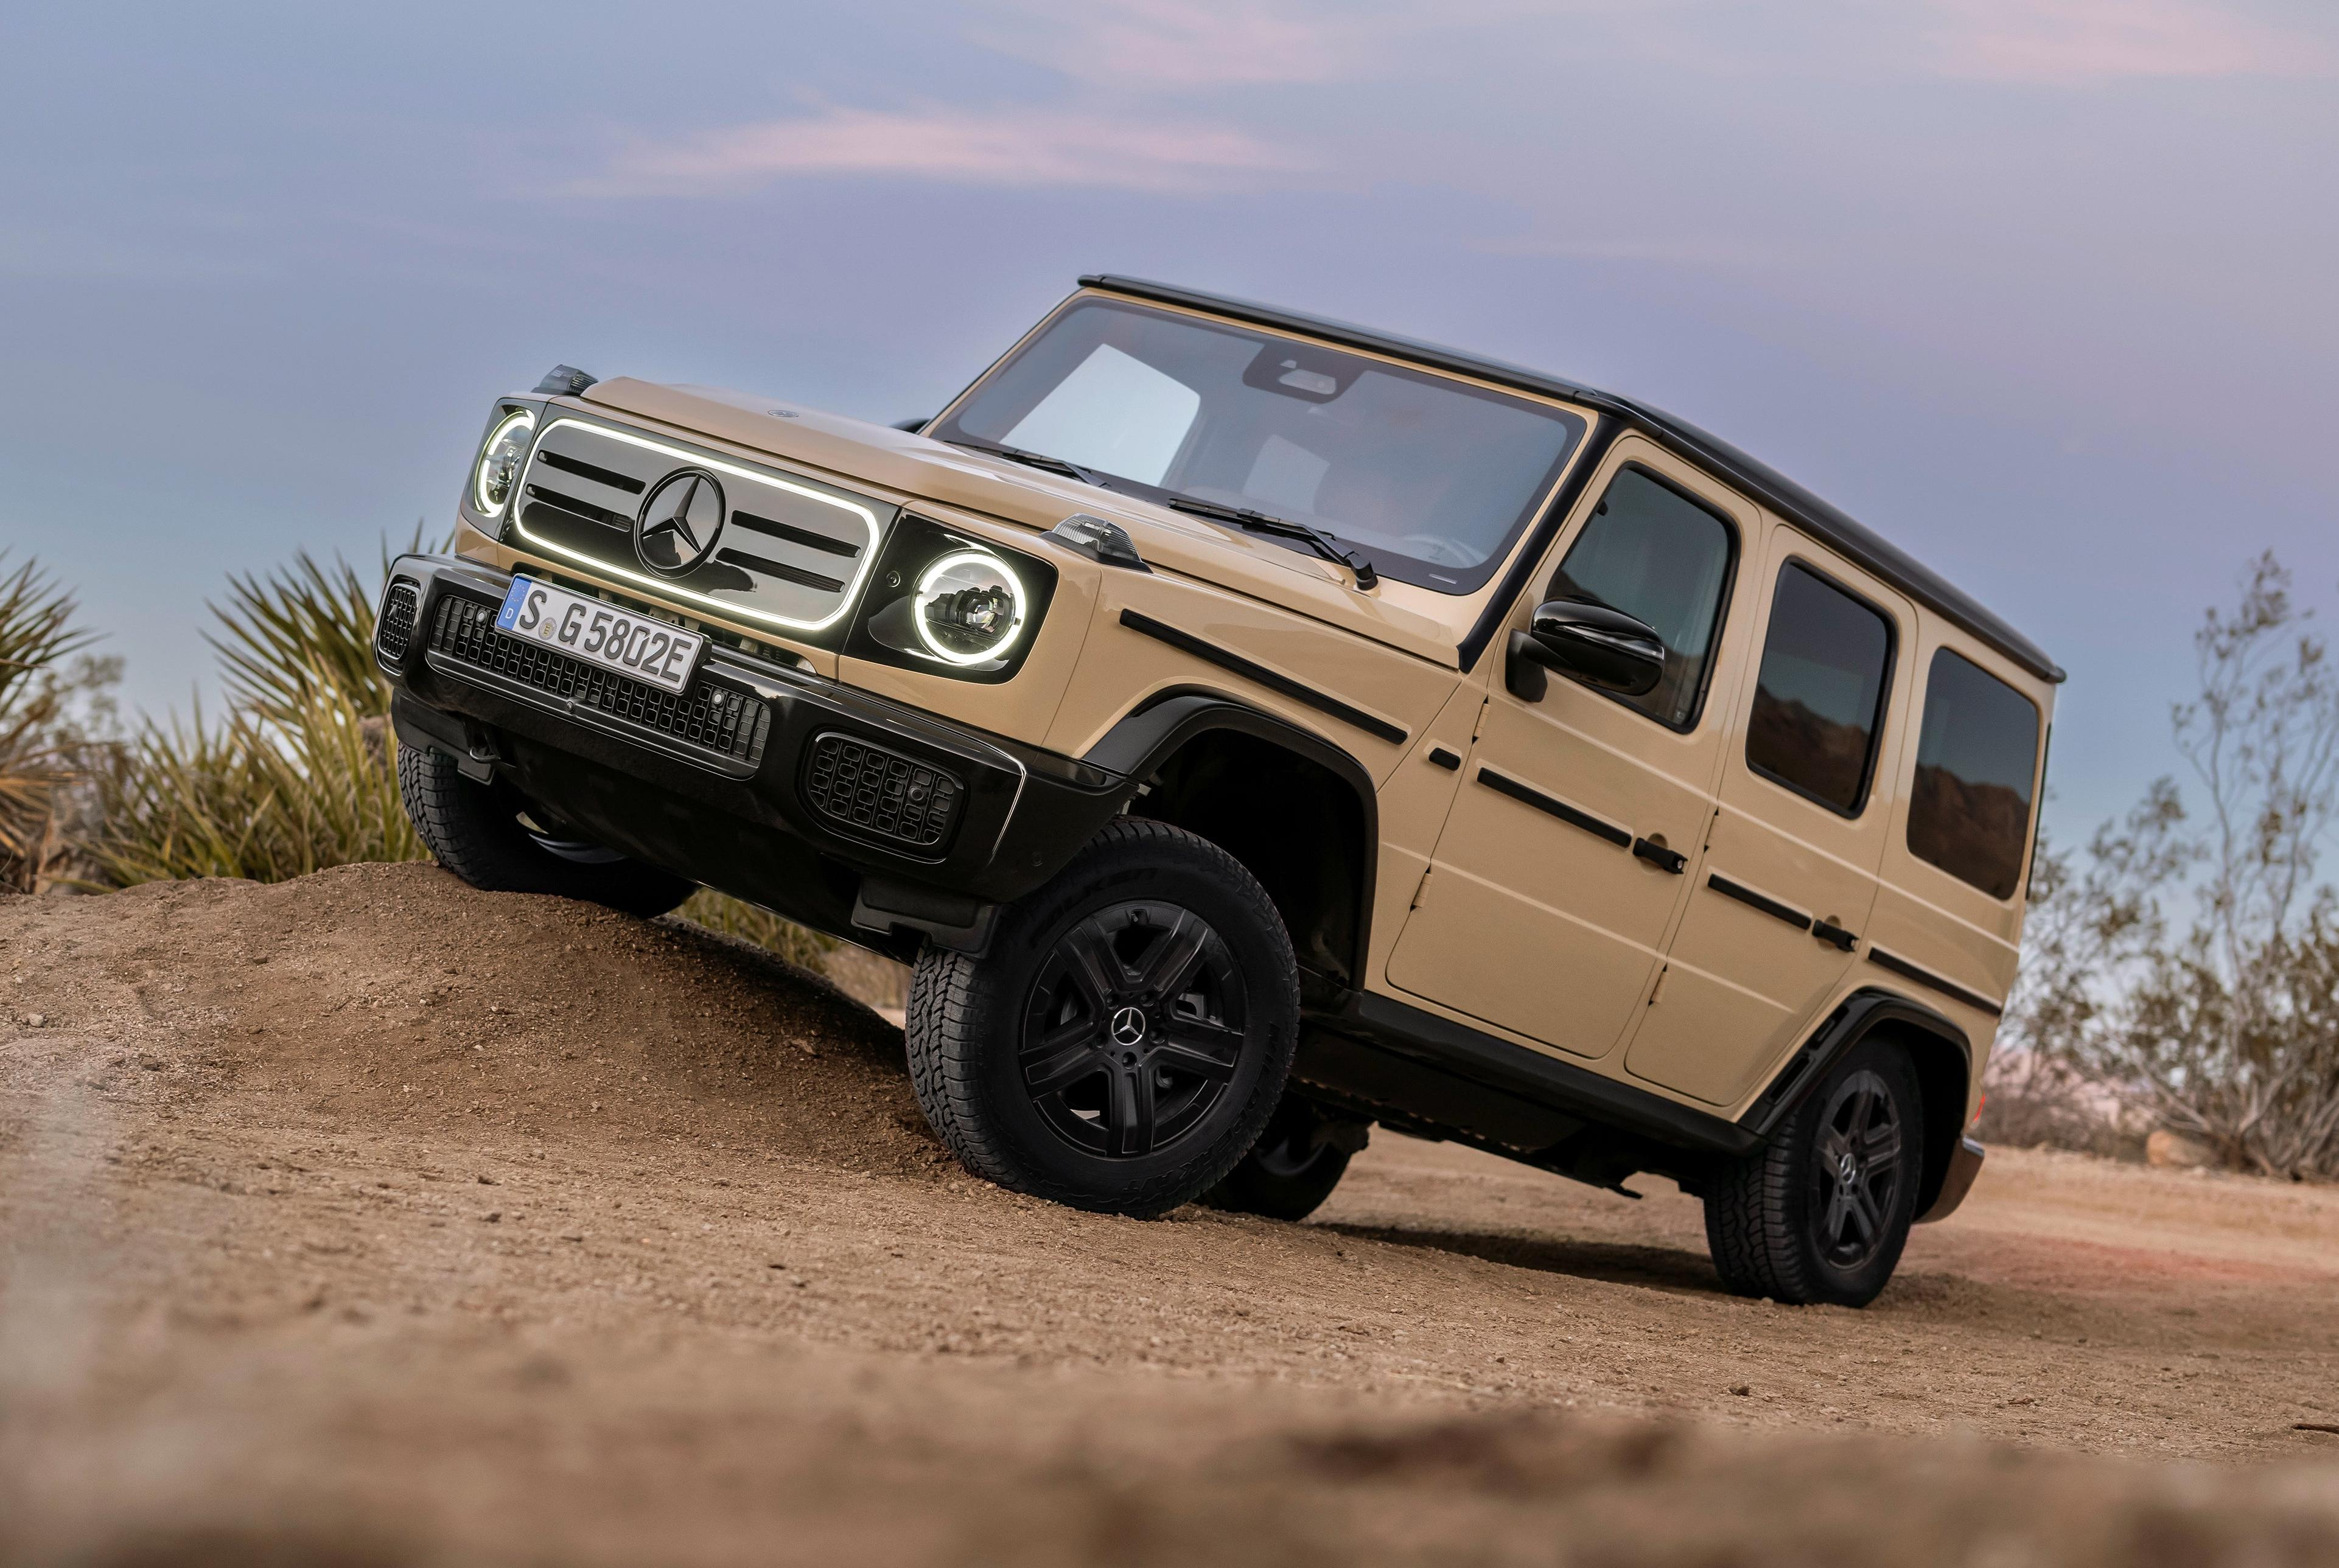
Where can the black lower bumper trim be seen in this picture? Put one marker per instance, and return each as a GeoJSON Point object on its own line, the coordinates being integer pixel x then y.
{"type": "Point", "coordinates": [726, 805]}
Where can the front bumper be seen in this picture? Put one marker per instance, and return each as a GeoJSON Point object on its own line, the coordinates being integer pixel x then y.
{"type": "Point", "coordinates": [736, 804]}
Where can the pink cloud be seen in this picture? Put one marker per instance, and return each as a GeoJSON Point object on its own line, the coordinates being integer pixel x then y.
{"type": "Point", "coordinates": [1012, 146]}
{"type": "Point", "coordinates": [2077, 41]}
{"type": "Point", "coordinates": [1191, 43]}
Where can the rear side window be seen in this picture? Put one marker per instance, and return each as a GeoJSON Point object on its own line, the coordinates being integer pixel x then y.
{"type": "Point", "coordinates": [1662, 560]}
{"type": "Point", "coordinates": [1819, 701]}
{"type": "Point", "coordinates": [1970, 811]}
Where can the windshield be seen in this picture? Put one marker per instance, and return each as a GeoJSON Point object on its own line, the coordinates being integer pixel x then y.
{"type": "Point", "coordinates": [1429, 479]}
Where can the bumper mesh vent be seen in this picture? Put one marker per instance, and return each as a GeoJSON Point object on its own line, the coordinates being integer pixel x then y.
{"type": "Point", "coordinates": [393, 630]}
{"type": "Point", "coordinates": [877, 792]}
{"type": "Point", "coordinates": [731, 724]}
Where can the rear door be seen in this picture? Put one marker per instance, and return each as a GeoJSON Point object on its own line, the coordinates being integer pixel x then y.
{"type": "Point", "coordinates": [1560, 869]}
{"type": "Point", "coordinates": [1789, 876]}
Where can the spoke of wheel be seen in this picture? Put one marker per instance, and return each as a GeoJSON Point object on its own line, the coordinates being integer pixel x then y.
{"type": "Point", "coordinates": [1833, 1147]}
{"type": "Point", "coordinates": [1833, 1225]}
{"type": "Point", "coordinates": [1096, 968]}
{"type": "Point", "coordinates": [1130, 1113]}
{"type": "Point", "coordinates": [1881, 1146]}
{"type": "Point", "coordinates": [1165, 968]}
{"type": "Point", "coordinates": [1180, 1057]}
{"type": "Point", "coordinates": [1204, 1034]}
{"type": "Point", "coordinates": [1862, 1210]}
{"type": "Point", "coordinates": [1069, 1063]}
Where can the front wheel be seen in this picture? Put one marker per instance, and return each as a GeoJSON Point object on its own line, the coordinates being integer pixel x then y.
{"type": "Point", "coordinates": [1822, 1212]}
{"type": "Point", "coordinates": [1122, 1042]}
{"type": "Point", "coordinates": [483, 834]}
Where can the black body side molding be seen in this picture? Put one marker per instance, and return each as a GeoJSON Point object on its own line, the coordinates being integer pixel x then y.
{"type": "Point", "coordinates": [1598, 827]}
{"type": "Point", "coordinates": [1762, 901]}
{"type": "Point", "coordinates": [1931, 981]}
{"type": "Point", "coordinates": [1259, 675]}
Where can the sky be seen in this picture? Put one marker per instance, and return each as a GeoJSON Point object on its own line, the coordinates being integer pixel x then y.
{"type": "Point", "coordinates": [2043, 289]}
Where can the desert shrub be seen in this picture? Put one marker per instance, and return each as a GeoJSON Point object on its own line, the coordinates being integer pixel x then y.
{"type": "Point", "coordinates": [299, 775]}
{"type": "Point", "coordinates": [307, 627]}
{"type": "Point", "coordinates": [2189, 963]}
{"type": "Point", "coordinates": [56, 708]}
{"type": "Point", "coordinates": [264, 797]}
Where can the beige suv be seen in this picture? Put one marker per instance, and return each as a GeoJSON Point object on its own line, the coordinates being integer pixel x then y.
{"type": "Point", "coordinates": [1254, 728]}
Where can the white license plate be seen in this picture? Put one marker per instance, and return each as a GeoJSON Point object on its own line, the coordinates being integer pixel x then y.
{"type": "Point", "coordinates": [648, 650]}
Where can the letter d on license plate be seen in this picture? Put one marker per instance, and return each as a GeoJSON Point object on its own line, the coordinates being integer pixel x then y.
{"type": "Point", "coordinates": [615, 639]}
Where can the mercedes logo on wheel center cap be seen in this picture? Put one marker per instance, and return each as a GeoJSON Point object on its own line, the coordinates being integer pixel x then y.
{"type": "Point", "coordinates": [679, 522]}
{"type": "Point", "coordinates": [1127, 1026]}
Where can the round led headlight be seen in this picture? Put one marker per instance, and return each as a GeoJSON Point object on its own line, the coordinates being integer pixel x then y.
{"type": "Point", "coordinates": [497, 474]}
{"type": "Point", "coordinates": [969, 607]}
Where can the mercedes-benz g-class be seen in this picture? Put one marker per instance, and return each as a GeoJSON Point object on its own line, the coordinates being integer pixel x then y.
{"type": "Point", "coordinates": [1254, 728]}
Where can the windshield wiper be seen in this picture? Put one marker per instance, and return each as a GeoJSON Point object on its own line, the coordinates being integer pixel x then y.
{"type": "Point", "coordinates": [1258, 522]}
{"type": "Point", "coordinates": [1040, 460]}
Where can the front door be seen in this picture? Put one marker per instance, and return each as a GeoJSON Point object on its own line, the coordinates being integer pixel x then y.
{"type": "Point", "coordinates": [1562, 864]}
{"type": "Point", "coordinates": [1789, 875]}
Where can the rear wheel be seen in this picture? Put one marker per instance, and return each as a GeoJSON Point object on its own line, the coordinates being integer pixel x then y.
{"type": "Point", "coordinates": [1122, 1042]}
{"type": "Point", "coordinates": [486, 834]}
{"type": "Point", "coordinates": [1822, 1212]}
{"type": "Point", "coordinates": [1294, 1165]}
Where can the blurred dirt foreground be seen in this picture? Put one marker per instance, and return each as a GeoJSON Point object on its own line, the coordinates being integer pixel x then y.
{"type": "Point", "coordinates": [366, 1220]}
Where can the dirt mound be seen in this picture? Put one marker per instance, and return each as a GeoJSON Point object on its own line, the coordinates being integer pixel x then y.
{"type": "Point", "coordinates": [367, 1219]}
{"type": "Point", "coordinates": [396, 996]}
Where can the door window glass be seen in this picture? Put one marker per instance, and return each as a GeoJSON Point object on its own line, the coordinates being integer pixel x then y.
{"type": "Point", "coordinates": [1970, 811]}
{"type": "Point", "coordinates": [1651, 552]}
{"type": "Point", "coordinates": [1818, 702]}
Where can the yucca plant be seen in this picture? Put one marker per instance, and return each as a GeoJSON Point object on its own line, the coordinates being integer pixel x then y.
{"type": "Point", "coordinates": [261, 797]}
{"type": "Point", "coordinates": [36, 636]}
{"type": "Point", "coordinates": [304, 627]}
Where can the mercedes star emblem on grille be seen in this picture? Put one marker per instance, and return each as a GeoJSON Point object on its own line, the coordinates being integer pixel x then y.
{"type": "Point", "coordinates": [679, 522]}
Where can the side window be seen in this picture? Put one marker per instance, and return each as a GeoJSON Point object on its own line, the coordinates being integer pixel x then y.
{"type": "Point", "coordinates": [1970, 811]}
{"type": "Point", "coordinates": [1818, 700]}
{"type": "Point", "coordinates": [1659, 556]}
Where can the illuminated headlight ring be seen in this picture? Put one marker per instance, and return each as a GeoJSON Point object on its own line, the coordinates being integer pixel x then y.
{"type": "Point", "coordinates": [969, 607]}
{"type": "Point", "coordinates": [496, 474]}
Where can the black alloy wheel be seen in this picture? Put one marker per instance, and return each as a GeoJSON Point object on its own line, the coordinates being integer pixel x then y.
{"type": "Point", "coordinates": [1134, 1029]}
{"type": "Point", "coordinates": [1821, 1211]}
{"type": "Point", "coordinates": [1122, 1040]}
{"type": "Point", "coordinates": [1857, 1177]}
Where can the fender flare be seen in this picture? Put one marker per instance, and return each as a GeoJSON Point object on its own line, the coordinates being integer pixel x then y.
{"type": "Point", "coordinates": [1856, 1018]}
{"type": "Point", "coordinates": [1151, 734]}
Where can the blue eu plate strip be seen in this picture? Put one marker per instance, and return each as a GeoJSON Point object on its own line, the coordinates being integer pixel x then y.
{"type": "Point", "coordinates": [513, 600]}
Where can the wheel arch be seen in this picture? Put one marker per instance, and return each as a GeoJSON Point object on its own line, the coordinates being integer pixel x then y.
{"type": "Point", "coordinates": [1940, 1051]}
{"type": "Point", "coordinates": [1190, 752]}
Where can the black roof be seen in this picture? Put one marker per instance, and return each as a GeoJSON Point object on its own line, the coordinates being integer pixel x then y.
{"type": "Point", "coordinates": [1836, 528]}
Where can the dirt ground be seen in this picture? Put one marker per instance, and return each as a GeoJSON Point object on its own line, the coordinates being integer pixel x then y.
{"type": "Point", "coordinates": [367, 1219]}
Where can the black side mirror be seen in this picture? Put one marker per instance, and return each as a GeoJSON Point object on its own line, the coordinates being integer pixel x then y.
{"type": "Point", "coordinates": [1607, 648]}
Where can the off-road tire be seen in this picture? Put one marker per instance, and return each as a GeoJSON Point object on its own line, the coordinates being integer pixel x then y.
{"type": "Point", "coordinates": [1766, 1215]}
{"type": "Point", "coordinates": [971, 1020]}
{"type": "Point", "coordinates": [1295, 1165]}
{"type": "Point", "coordinates": [474, 830]}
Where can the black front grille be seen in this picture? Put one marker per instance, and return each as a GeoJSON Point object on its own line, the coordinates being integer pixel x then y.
{"type": "Point", "coordinates": [879, 792]}
{"type": "Point", "coordinates": [730, 723]}
{"type": "Point", "coordinates": [393, 630]}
